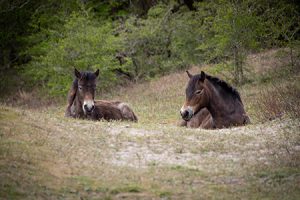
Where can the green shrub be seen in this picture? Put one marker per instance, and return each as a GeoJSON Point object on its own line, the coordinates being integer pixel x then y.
{"type": "Point", "coordinates": [82, 43]}
{"type": "Point", "coordinates": [167, 36]}
{"type": "Point", "coordinates": [161, 43]}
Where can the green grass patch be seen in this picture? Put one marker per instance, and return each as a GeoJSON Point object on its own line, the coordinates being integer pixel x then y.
{"type": "Point", "coordinates": [280, 176]}
{"type": "Point", "coordinates": [126, 188]}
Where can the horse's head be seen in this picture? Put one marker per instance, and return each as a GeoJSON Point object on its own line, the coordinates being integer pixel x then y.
{"type": "Point", "coordinates": [196, 96]}
{"type": "Point", "coordinates": [86, 89]}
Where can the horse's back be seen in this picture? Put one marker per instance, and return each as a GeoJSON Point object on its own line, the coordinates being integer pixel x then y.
{"type": "Point", "coordinates": [106, 111]}
{"type": "Point", "coordinates": [116, 110]}
{"type": "Point", "coordinates": [127, 112]}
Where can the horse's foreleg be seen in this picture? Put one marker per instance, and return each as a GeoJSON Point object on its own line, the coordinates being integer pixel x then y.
{"type": "Point", "coordinates": [182, 123]}
{"type": "Point", "coordinates": [208, 123]}
{"type": "Point", "coordinates": [68, 112]}
{"type": "Point", "coordinates": [71, 98]}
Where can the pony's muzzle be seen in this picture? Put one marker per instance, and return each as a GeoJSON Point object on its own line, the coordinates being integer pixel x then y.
{"type": "Point", "coordinates": [88, 106]}
{"type": "Point", "coordinates": [186, 114]}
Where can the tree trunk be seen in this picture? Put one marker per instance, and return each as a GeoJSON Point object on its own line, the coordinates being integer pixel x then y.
{"type": "Point", "coordinates": [236, 65]}
{"type": "Point", "coordinates": [142, 6]}
{"type": "Point", "coordinates": [241, 73]}
{"type": "Point", "coordinates": [291, 56]}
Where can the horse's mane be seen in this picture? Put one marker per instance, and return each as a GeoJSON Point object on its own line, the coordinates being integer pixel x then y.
{"type": "Point", "coordinates": [75, 83]}
{"type": "Point", "coordinates": [216, 81]}
{"type": "Point", "coordinates": [228, 88]}
{"type": "Point", "coordinates": [88, 75]}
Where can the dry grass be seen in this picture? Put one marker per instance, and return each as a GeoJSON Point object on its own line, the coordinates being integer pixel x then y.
{"type": "Point", "coordinates": [277, 101]}
{"type": "Point", "coordinates": [155, 102]}
{"type": "Point", "coordinates": [33, 99]}
{"type": "Point", "coordinates": [46, 156]}
{"type": "Point", "coordinates": [264, 62]}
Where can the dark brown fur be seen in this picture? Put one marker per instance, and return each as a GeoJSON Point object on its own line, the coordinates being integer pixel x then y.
{"type": "Point", "coordinates": [107, 110]}
{"type": "Point", "coordinates": [212, 103]}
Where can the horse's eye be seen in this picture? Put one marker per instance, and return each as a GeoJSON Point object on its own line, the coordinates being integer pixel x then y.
{"type": "Point", "coordinates": [198, 92]}
{"type": "Point", "coordinates": [80, 87]}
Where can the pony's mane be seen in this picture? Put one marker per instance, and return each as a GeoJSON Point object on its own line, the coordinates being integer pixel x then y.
{"type": "Point", "coordinates": [215, 81]}
{"type": "Point", "coordinates": [75, 83]}
{"type": "Point", "coordinates": [88, 75]}
{"type": "Point", "coordinates": [228, 88]}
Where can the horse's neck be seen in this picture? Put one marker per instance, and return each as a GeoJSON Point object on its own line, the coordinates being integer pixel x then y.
{"type": "Point", "coordinates": [218, 106]}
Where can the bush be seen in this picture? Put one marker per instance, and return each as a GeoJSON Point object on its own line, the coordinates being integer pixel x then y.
{"type": "Point", "coordinates": [163, 42]}
{"type": "Point", "coordinates": [82, 43]}
{"type": "Point", "coordinates": [165, 37]}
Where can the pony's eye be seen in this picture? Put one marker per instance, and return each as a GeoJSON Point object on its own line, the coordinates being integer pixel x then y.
{"type": "Point", "coordinates": [79, 87]}
{"type": "Point", "coordinates": [198, 92]}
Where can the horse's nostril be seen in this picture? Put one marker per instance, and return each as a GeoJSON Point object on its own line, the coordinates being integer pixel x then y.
{"type": "Point", "coordinates": [184, 114]}
{"type": "Point", "coordinates": [88, 108]}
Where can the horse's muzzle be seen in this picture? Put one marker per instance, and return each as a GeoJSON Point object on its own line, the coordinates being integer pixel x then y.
{"type": "Point", "coordinates": [89, 109]}
{"type": "Point", "coordinates": [186, 114]}
{"type": "Point", "coordinates": [88, 106]}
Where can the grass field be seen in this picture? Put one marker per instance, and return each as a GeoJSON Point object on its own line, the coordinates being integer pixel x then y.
{"type": "Point", "coordinates": [44, 155]}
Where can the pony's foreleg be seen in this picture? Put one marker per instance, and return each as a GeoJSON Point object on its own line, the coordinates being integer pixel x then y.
{"type": "Point", "coordinates": [68, 112]}
{"type": "Point", "coordinates": [208, 123]}
{"type": "Point", "coordinates": [71, 98]}
{"type": "Point", "coordinates": [182, 123]}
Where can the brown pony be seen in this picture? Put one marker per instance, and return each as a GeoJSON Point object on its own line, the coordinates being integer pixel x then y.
{"type": "Point", "coordinates": [81, 103]}
{"type": "Point", "coordinates": [212, 103]}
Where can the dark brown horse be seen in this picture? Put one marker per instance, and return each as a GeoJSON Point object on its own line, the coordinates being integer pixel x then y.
{"type": "Point", "coordinates": [81, 103]}
{"type": "Point", "coordinates": [212, 103]}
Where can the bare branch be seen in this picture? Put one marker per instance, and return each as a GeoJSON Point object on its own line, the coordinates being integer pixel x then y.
{"type": "Point", "coordinates": [14, 7]}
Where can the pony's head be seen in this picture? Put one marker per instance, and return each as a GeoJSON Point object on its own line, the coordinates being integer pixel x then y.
{"type": "Point", "coordinates": [86, 89]}
{"type": "Point", "coordinates": [196, 96]}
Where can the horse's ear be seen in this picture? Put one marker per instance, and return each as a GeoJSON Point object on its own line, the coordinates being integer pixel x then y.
{"type": "Point", "coordinates": [202, 76]}
{"type": "Point", "coordinates": [97, 73]}
{"type": "Point", "coordinates": [189, 74]}
{"type": "Point", "coordinates": [77, 73]}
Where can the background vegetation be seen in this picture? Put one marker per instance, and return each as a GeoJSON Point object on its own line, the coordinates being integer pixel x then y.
{"type": "Point", "coordinates": [42, 41]}
{"type": "Point", "coordinates": [251, 44]}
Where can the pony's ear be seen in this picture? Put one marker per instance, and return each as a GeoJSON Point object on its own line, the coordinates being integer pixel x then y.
{"type": "Point", "coordinates": [202, 76]}
{"type": "Point", "coordinates": [97, 73]}
{"type": "Point", "coordinates": [77, 73]}
{"type": "Point", "coordinates": [189, 74]}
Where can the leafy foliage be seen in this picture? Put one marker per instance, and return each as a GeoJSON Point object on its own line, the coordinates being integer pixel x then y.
{"type": "Point", "coordinates": [82, 43]}
{"type": "Point", "coordinates": [151, 44]}
{"type": "Point", "coordinates": [136, 40]}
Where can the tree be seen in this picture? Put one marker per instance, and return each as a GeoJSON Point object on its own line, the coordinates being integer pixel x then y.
{"type": "Point", "coordinates": [284, 23]}
{"type": "Point", "coordinates": [236, 30]}
{"type": "Point", "coordinates": [82, 43]}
